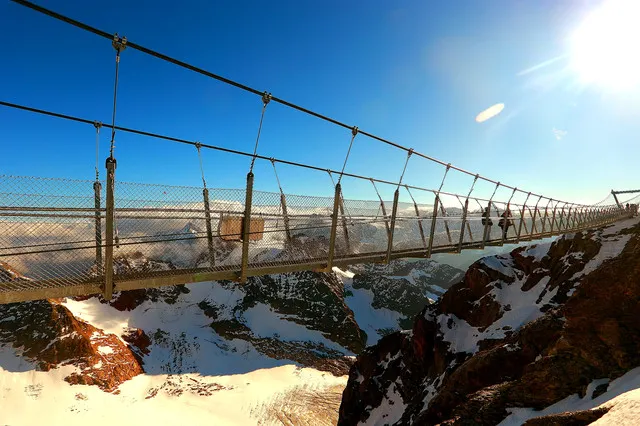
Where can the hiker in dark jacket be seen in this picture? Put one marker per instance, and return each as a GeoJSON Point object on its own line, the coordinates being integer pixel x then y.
{"type": "Point", "coordinates": [486, 217]}
{"type": "Point", "coordinates": [505, 222]}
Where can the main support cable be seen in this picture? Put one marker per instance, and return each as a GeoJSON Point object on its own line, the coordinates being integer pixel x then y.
{"type": "Point", "coordinates": [229, 150]}
{"type": "Point", "coordinates": [192, 143]}
{"type": "Point", "coordinates": [201, 71]}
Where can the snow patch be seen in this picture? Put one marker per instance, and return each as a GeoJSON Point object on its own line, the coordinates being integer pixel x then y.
{"type": "Point", "coordinates": [623, 395]}
{"type": "Point", "coordinates": [105, 350]}
{"type": "Point", "coordinates": [369, 319]}
{"type": "Point", "coordinates": [390, 409]}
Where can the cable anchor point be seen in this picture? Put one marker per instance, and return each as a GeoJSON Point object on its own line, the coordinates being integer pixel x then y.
{"type": "Point", "coordinates": [354, 131]}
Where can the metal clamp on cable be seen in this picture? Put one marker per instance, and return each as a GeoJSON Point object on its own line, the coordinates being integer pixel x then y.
{"type": "Point", "coordinates": [354, 131]}
{"type": "Point", "coordinates": [266, 98]}
{"type": "Point", "coordinates": [119, 43]}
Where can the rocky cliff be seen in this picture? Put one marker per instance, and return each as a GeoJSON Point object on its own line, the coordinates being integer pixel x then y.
{"type": "Point", "coordinates": [526, 329]}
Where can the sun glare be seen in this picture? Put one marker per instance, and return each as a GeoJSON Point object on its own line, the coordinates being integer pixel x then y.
{"type": "Point", "coordinates": [605, 48]}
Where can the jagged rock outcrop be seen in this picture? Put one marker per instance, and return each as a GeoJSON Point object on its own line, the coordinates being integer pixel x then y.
{"type": "Point", "coordinates": [521, 330]}
{"type": "Point", "coordinates": [49, 335]}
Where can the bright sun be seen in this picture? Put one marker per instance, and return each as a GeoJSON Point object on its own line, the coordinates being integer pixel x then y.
{"type": "Point", "coordinates": [605, 48]}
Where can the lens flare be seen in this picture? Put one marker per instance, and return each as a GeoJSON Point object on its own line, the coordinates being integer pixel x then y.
{"type": "Point", "coordinates": [490, 112]}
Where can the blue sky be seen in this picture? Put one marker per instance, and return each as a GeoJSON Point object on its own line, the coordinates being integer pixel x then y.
{"type": "Point", "coordinates": [414, 72]}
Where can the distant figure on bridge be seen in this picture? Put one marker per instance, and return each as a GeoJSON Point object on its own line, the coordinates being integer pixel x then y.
{"type": "Point", "coordinates": [486, 217]}
{"type": "Point", "coordinates": [505, 222]}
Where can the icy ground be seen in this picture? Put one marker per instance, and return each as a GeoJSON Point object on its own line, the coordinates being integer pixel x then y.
{"type": "Point", "coordinates": [30, 397]}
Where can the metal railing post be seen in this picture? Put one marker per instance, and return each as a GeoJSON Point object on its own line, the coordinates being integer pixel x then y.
{"type": "Point", "coordinates": [97, 188]}
{"type": "Point", "coordinates": [386, 218]}
{"type": "Point", "coordinates": [576, 217]}
{"type": "Point", "coordinates": [345, 227]}
{"type": "Point", "coordinates": [567, 224]}
{"type": "Point", "coordinates": [546, 215]}
{"type": "Point", "coordinates": [287, 229]}
{"type": "Point", "coordinates": [534, 228]}
{"type": "Point", "coordinates": [434, 219]}
{"type": "Point", "coordinates": [420, 227]}
{"type": "Point", "coordinates": [109, 227]}
{"type": "Point", "coordinates": [382, 207]}
{"type": "Point", "coordinates": [334, 227]}
{"type": "Point", "coordinates": [580, 217]}
{"type": "Point", "coordinates": [246, 228]}
{"type": "Point", "coordinates": [524, 206]}
{"type": "Point", "coordinates": [553, 217]}
{"type": "Point", "coordinates": [394, 212]}
{"type": "Point", "coordinates": [446, 223]}
{"type": "Point", "coordinates": [465, 209]}
{"type": "Point", "coordinates": [560, 222]}
{"type": "Point", "coordinates": [207, 216]}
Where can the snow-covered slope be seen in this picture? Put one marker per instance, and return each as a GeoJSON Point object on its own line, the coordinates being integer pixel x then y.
{"type": "Point", "coordinates": [31, 398]}
{"type": "Point", "coordinates": [527, 329]}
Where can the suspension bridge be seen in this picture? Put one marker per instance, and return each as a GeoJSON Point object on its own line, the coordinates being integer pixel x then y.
{"type": "Point", "coordinates": [63, 237]}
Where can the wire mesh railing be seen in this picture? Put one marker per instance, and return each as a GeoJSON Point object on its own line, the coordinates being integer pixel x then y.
{"type": "Point", "coordinates": [53, 231]}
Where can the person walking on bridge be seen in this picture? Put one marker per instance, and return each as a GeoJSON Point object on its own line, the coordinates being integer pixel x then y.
{"type": "Point", "coordinates": [487, 223]}
{"type": "Point", "coordinates": [505, 222]}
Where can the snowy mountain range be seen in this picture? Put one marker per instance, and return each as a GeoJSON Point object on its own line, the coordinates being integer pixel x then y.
{"type": "Point", "coordinates": [293, 336]}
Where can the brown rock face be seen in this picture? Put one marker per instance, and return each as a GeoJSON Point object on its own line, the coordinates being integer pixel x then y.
{"type": "Point", "coordinates": [523, 330]}
{"type": "Point", "coordinates": [49, 335]}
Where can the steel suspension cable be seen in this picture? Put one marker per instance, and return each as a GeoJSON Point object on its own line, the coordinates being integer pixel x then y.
{"type": "Point", "coordinates": [228, 150]}
{"type": "Point", "coordinates": [354, 132]}
{"type": "Point", "coordinates": [119, 44]}
{"type": "Point", "coordinates": [201, 71]}
{"type": "Point", "coordinates": [198, 146]}
{"type": "Point", "coordinates": [405, 168]}
{"type": "Point", "coordinates": [97, 125]}
{"type": "Point", "coordinates": [266, 97]}
{"type": "Point", "coordinates": [188, 142]}
{"type": "Point", "coordinates": [444, 177]}
{"type": "Point", "coordinates": [273, 163]}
